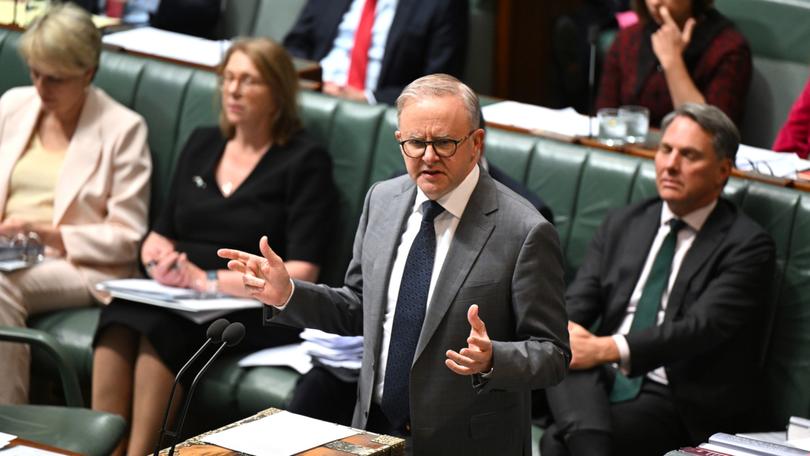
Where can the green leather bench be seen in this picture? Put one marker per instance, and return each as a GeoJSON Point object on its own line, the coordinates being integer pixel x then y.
{"type": "Point", "coordinates": [579, 183]}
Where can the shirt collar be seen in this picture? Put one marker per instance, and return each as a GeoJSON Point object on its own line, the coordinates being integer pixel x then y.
{"type": "Point", "coordinates": [455, 201]}
{"type": "Point", "coordinates": [694, 219]}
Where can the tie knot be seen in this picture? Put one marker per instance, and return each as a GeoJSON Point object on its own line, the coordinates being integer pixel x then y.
{"type": "Point", "coordinates": [430, 210]}
{"type": "Point", "coordinates": [676, 225]}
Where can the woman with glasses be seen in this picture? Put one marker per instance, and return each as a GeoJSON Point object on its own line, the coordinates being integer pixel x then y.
{"type": "Point", "coordinates": [257, 174]}
{"type": "Point", "coordinates": [74, 173]}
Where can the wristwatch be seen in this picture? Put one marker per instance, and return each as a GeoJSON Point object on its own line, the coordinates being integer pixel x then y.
{"type": "Point", "coordinates": [212, 286]}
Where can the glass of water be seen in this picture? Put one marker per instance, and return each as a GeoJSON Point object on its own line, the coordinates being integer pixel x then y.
{"type": "Point", "coordinates": [612, 129]}
{"type": "Point", "coordinates": [637, 122]}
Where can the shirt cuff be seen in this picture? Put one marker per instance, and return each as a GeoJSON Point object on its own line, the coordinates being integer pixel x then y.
{"type": "Point", "coordinates": [282, 307]}
{"type": "Point", "coordinates": [624, 353]}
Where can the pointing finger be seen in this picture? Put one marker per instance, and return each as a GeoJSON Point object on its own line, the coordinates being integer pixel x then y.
{"type": "Point", "coordinates": [666, 16]}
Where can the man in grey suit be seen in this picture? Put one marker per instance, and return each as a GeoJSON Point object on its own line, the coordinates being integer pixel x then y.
{"type": "Point", "coordinates": [438, 253]}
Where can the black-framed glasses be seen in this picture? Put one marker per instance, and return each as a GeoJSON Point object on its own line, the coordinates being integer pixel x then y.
{"type": "Point", "coordinates": [444, 147]}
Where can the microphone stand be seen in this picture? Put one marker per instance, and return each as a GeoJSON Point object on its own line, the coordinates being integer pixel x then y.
{"type": "Point", "coordinates": [187, 400]}
{"type": "Point", "coordinates": [592, 36]}
{"type": "Point", "coordinates": [214, 334]}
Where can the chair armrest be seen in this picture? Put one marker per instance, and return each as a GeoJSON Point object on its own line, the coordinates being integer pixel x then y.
{"type": "Point", "coordinates": [49, 344]}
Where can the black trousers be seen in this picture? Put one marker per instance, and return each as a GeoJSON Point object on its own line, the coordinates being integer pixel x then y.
{"type": "Point", "coordinates": [580, 409]}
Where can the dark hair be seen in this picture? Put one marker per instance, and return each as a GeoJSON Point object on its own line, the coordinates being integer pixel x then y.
{"type": "Point", "coordinates": [699, 8]}
{"type": "Point", "coordinates": [278, 72]}
{"type": "Point", "coordinates": [725, 136]}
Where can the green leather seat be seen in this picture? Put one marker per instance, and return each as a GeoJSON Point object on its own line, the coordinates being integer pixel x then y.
{"type": "Point", "coordinates": [72, 428]}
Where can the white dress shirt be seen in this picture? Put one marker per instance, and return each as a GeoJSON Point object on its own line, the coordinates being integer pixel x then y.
{"type": "Point", "coordinates": [445, 225]}
{"type": "Point", "coordinates": [694, 222]}
{"type": "Point", "coordinates": [335, 66]}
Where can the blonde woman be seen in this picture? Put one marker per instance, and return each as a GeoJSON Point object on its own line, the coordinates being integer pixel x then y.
{"type": "Point", "coordinates": [74, 169]}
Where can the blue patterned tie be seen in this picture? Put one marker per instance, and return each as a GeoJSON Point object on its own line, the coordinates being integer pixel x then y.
{"type": "Point", "coordinates": [408, 317]}
{"type": "Point", "coordinates": [626, 388]}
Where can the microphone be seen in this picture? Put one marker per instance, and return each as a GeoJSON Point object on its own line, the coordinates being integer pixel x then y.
{"type": "Point", "coordinates": [593, 34]}
{"type": "Point", "coordinates": [232, 335]}
{"type": "Point", "coordinates": [214, 335]}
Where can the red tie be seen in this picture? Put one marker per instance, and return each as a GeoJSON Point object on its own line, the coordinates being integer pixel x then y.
{"type": "Point", "coordinates": [362, 41]}
{"type": "Point", "coordinates": [115, 8]}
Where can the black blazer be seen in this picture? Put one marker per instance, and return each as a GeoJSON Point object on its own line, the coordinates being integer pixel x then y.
{"type": "Point", "coordinates": [426, 37]}
{"type": "Point", "coordinates": [714, 324]}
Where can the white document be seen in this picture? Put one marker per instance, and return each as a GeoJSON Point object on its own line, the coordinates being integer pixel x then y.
{"type": "Point", "coordinates": [177, 46]}
{"type": "Point", "coordinates": [22, 450]}
{"type": "Point", "coordinates": [294, 356]}
{"type": "Point", "coordinates": [5, 439]}
{"type": "Point", "coordinates": [280, 434]}
{"type": "Point", "coordinates": [764, 161]}
{"type": "Point", "coordinates": [566, 122]}
{"type": "Point", "coordinates": [187, 303]}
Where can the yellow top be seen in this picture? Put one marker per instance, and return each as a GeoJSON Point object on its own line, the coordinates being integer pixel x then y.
{"type": "Point", "coordinates": [32, 184]}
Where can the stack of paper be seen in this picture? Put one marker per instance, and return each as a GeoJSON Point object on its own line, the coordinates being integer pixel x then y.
{"type": "Point", "coordinates": [565, 122]}
{"type": "Point", "coordinates": [294, 356]}
{"type": "Point", "coordinates": [332, 350]}
{"type": "Point", "coordinates": [183, 301]}
{"type": "Point", "coordinates": [764, 161]}
{"type": "Point", "coordinates": [171, 45]}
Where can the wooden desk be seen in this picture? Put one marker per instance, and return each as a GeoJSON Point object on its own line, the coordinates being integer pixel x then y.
{"type": "Point", "coordinates": [647, 151]}
{"type": "Point", "coordinates": [362, 443]}
{"type": "Point", "coordinates": [41, 446]}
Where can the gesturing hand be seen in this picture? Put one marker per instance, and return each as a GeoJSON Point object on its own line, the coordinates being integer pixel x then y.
{"type": "Point", "coordinates": [669, 41]}
{"type": "Point", "coordinates": [265, 278]}
{"type": "Point", "coordinates": [476, 358]}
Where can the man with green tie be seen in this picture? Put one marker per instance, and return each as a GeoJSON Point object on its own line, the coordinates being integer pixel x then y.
{"type": "Point", "coordinates": [667, 310]}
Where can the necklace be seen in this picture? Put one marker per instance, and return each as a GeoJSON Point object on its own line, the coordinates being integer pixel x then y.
{"type": "Point", "coordinates": [227, 187]}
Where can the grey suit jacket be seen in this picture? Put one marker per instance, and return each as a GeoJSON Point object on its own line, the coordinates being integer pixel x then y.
{"type": "Point", "coordinates": [506, 258]}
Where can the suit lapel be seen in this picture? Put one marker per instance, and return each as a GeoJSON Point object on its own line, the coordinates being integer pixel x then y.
{"type": "Point", "coordinates": [472, 233]}
{"type": "Point", "coordinates": [641, 233]}
{"type": "Point", "coordinates": [708, 238]}
{"type": "Point", "coordinates": [81, 158]}
{"type": "Point", "coordinates": [15, 141]}
{"type": "Point", "coordinates": [397, 212]}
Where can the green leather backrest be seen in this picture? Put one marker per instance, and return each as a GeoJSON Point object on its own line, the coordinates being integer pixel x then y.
{"type": "Point", "coordinates": [238, 18]}
{"type": "Point", "coordinates": [13, 68]}
{"type": "Point", "coordinates": [200, 107]}
{"type": "Point", "coordinates": [509, 151]}
{"type": "Point", "coordinates": [159, 100]}
{"type": "Point", "coordinates": [387, 159]}
{"type": "Point", "coordinates": [775, 28]}
{"type": "Point", "coordinates": [554, 173]}
{"type": "Point", "coordinates": [274, 18]}
{"type": "Point", "coordinates": [479, 67]}
{"type": "Point", "coordinates": [352, 141]}
{"type": "Point", "coordinates": [788, 355]}
{"type": "Point", "coordinates": [606, 183]}
{"type": "Point", "coordinates": [119, 75]}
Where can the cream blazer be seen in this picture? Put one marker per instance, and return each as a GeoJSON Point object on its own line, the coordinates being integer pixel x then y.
{"type": "Point", "coordinates": [102, 193]}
